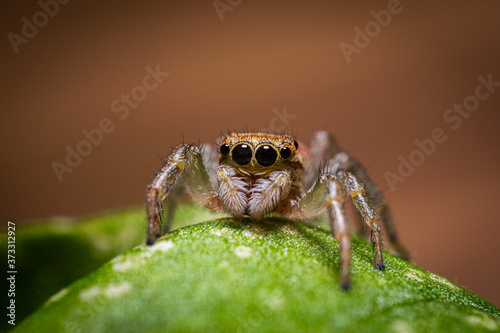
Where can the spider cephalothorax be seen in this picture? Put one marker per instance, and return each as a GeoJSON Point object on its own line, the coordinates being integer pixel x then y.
{"type": "Point", "coordinates": [258, 151]}
{"type": "Point", "coordinates": [255, 174]}
{"type": "Point", "coordinates": [259, 173]}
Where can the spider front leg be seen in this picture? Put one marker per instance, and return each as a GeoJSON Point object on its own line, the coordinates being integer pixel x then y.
{"type": "Point", "coordinates": [330, 192]}
{"type": "Point", "coordinates": [335, 210]}
{"type": "Point", "coordinates": [324, 149]}
{"type": "Point", "coordinates": [368, 213]}
{"type": "Point", "coordinates": [185, 160]}
{"type": "Point", "coordinates": [344, 161]}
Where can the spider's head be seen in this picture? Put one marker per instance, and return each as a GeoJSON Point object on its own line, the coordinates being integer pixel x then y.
{"type": "Point", "coordinates": [258, 152]}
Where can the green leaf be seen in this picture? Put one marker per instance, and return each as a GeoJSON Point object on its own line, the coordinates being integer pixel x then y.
{"type": "Point", "coordinates": [53, 253]}
{"type": "Point", "coordinates": [272, 276]}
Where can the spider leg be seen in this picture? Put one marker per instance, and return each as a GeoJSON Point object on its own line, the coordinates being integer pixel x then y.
{"type": "Point", "coordinates": [329, 191]}
{"type": "Point", "coordinates": [210, 157]}
{"type": "Point", "coordinates": [323, 146]}
{"type": "Point", "coordinates": [363, 206]}
{"type": "Point", "coordinates": [171, 205]}
{"type": "Point", "coordinates": [344, 161]}
{"type": "Point", "coordinates": [324, 149]}
{"type": "Point", "coordinates": [185, 160]}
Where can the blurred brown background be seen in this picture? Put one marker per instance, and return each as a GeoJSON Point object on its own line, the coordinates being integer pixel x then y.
{"type": "Point", "coordinates": [232, 69]}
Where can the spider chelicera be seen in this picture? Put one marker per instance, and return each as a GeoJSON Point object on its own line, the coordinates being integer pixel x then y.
{"type": "Point", "coordinates": [254, 174]}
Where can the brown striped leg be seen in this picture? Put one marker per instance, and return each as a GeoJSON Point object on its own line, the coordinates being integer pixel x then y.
{"type": "Point", "coordinates": [186, 157]}
{"type": "Point", "coordinates": [340, 227]}
{"type": "Point", "coordinates": [368, 213]}
{"type": "Point", "coordinates": [344, 161]}
{"type": "Point", "coordinates": [328, 191]}
{"type": "Point", "coordinates": [323, 147]}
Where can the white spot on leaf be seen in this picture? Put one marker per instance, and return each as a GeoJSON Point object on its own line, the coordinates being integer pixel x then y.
{"type": "Point", "coordinates": [57, 296]}
{"type": "Point", "coordinates": [415, 275]}
{"type": "Point", "coordinates": [482, 320]}
{"type": "Point", "coordinates": [258, 230]}
{"type": "Point", "coordinates": [223, 264]}
{"type": "Point", "coordinates": [219, 232]}
{"type": "Point", "coordinates": [289, 229]}
{"type": "Point", "coordinates": [442, 281]}
{"type": "Point", "coordinates": [162, 246]}
{"type": "Point", "coordinates": [118, 289]}
{"type": "Point", "coordinates": [123, 265]}
{"type": "Point", "coordinates": [276, 300]}
{"type": "Point", "coordinates": [243, 251]}
{"type": "Point", "coordinates": [401, 326]}
{"type": "Point", "coordinates": [89, 293]}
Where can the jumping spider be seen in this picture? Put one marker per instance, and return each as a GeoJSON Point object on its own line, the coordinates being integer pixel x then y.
{"type": "Point", "coordinates": [255, 174]}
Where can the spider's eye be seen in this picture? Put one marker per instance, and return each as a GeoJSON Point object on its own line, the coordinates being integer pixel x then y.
{"type": "Point", "coordinates": [224, 149]}
{"type": "Point", "coordinates": [285, 152]}
{"type": "Point", "coordinates": [242, 154]}
{"type": "Point", "coordinates": [295, 144]}
{"type": "Point", "coordinates": [266, 155]}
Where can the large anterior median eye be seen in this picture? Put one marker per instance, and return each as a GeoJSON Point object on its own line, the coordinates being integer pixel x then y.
{"type": "Point", "coordinates": [242, 154]}
{"type": "Point", "coordinates": [266, 155]}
